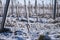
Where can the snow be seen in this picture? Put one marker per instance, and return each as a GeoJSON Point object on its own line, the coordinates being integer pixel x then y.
{"type": "Point", "coordinates": [57, 19]}
{"type": "Point", "coordinates": [35, 29]}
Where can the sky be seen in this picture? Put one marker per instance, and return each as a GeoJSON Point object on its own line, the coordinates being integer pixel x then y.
{"type": "Point", "coordinates": [32, 1]}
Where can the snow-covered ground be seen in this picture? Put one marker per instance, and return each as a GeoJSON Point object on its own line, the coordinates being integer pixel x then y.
{"type": "Point", "coordinates": [32, 31]}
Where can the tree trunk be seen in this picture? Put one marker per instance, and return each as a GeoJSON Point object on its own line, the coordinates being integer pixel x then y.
{"type": "Point", "coordinates": [5, 14]}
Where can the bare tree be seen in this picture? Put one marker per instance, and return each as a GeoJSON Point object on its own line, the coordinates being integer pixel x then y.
{"type": "Point", "coordinates": [17, 11]}
{"type": "Point", "coordinates": [43, 7]}
{"type": "Point", "coordinates": [39, 8]}
{"type": "Point", "coordinates": [12, 7]}
{"type": "Point", "coordinates": [2, 29]}
{"type": "Point", "coordinates": [36, 9]}
{"type": "Point", "coordinates": [29, 7]}
{"type": "Point", "coordinates": [25, 8]}
{"type": "Point", "coordinates": [54, 15]}
{"type": "Point", "coordinates": [27, 15]}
